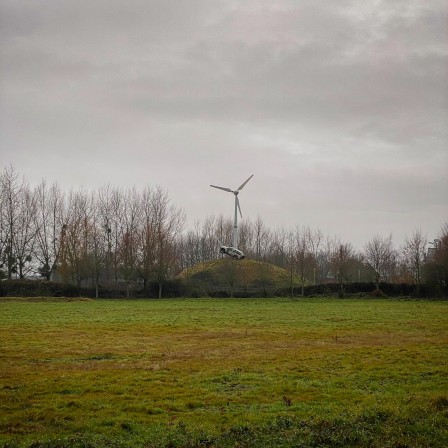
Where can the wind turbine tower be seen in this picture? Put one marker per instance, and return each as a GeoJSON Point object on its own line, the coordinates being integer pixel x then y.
{"type": "Point", "coordinates": [237, 208]}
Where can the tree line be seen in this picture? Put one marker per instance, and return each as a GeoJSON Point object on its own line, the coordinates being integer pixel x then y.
{"type": "Point", "coordinates": [114, 236]}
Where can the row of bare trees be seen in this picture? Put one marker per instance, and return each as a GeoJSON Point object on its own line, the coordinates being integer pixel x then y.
{"type": "Point", "coordinates": [116, 236]}
{"type": "Point", "coordinates": [314, 257]}
{"type": "Point", "coordinates": [109, 235]}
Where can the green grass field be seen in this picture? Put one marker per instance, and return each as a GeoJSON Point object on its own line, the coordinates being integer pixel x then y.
{"type": "Point", "coordinates": [223, 373]}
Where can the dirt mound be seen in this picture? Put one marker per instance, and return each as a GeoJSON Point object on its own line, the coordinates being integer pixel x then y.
{"type": "Point", "coordinates": [228, 277]}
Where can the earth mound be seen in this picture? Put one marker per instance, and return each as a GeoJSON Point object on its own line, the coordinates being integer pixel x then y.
{"type": "Point", "coordinates": [242, 278]}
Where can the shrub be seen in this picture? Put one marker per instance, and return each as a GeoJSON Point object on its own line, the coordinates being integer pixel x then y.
{"type": "Point", "coordinates": [38, 288]}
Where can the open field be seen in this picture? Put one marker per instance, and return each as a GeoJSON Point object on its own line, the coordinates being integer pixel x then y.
{"type": "Point", "coordinates": [255, 372]}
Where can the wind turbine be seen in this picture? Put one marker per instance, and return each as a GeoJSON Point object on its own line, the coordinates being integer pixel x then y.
{"type": "Point", "coordinates": [237, 207]}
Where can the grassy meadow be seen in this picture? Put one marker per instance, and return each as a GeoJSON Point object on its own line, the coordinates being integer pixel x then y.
{"type": "Point", "coordinates": [223, 373]}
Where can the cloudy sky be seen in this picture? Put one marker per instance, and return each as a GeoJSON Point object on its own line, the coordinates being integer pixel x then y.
{"type": "Point", "coordinates": [338, 108]}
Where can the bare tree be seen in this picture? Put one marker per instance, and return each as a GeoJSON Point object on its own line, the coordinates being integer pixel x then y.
{"type": "Point", "coordinates": [300, 254]}
{"type": "Point", "coordinates": [108, 203]}
{"type": "Point", "coordinates": [168, 223]}
{"type": "Point", "coordinates": [413, 254]}
{"type": "Point", "coordinates": [75, 263]}
{"type": "Point", "coordinates": [323, 260]}
{"type": "Point", "coordinates": [436, 266]}
{"type": "Point", "coordinates": [3, 231]}
{"type": "Point", "coordinates": [98, 243]}
{"type": "Point", "coordinates": [279, 251]}
{"type": "Point", "coordinates": [223, 230]}
{"type": "Point", "coordinates": [128, 237]}
{"type": "Point", "coordinates": [147, 238]}
{"type": "Point", "coordinates": [262, 243]}
{"type": "Point", "coordinates": [262, 240]}
{"type": "Point", "coordinates": [189, 249]}
{"type": "Point", "coordinates": [381, 257]}
{"type": "Point", "coordinates": [245, 236]}
{"type": "Point", "coordinates": [315, 238]}
{"type": "Point", "coordinates": [25, 231]}
{"type": "Point", "coordinates": [11, 191]}
{"type": "Point", "coordinates": [48, 222]}
{"type": "Point", "coordinates": [342, 259]}
{"type": "Point", "coordinates": [117, 200]}
{"type": "Point", "coordinates": [208, 244]}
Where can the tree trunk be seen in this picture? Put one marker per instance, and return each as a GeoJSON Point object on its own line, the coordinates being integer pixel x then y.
{"type": "Point", "coordinates": [377, 281]}
{"type": "Point", "coordinates": [341, 289]}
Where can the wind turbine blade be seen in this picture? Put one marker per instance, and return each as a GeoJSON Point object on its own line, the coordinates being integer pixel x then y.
{"type": "Point", "coordinates": [241, 187]}
{"type": "Point", "coordinates": [238, 205]}
{"type": "Point", "coordinates": [222, 188]}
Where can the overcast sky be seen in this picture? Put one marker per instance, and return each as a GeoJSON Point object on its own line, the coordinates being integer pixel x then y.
{"type": "Point", "coordinates": [338, 108]}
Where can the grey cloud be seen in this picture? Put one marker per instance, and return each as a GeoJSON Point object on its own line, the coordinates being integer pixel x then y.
{"type": "Point", "coordinates": [327, 96]}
